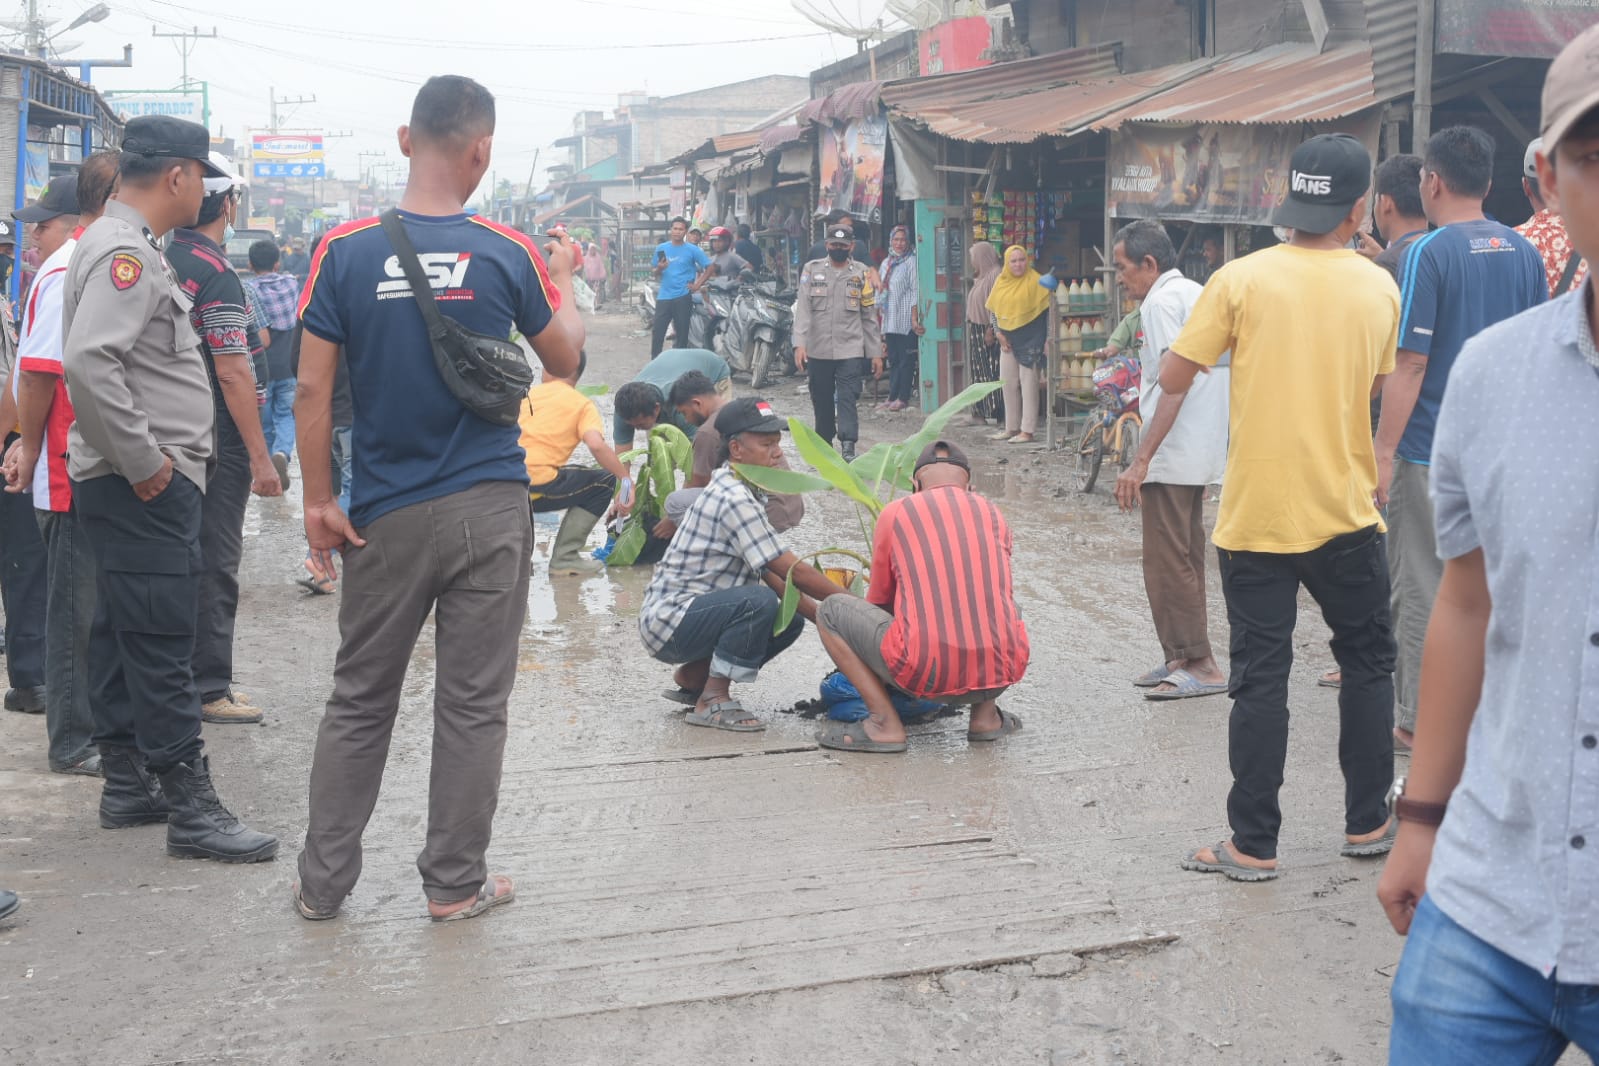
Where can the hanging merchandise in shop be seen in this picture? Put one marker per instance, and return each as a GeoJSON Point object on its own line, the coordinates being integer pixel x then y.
{"type": "Point", "coordinates": [1210, 173]}
{"type": "Point", "coordinates": [852, 157]}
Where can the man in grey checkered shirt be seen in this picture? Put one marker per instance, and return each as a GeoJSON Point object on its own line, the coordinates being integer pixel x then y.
{"type": "Point", "coordinates": [713, 602]}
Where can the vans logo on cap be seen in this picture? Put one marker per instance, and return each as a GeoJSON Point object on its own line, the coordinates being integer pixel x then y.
{"type": "Point", "coordinates": [1312, 184]}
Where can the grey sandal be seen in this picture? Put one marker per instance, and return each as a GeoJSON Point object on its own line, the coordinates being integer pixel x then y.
{"type": "Point", "coordinates": [1227, 866]}
{"type": "Point", "coordinates": [1008, 724]}
{"type": "Point", "coordinates": [687, 697]}
{"type": "Point", "coordinates": [1370, 848]}
{"type": "Point", "coordinates": [851, 736]}
{"type": "Point", "coordinates": [726, 714]}
{"type": "Point", "coordinates": [487, 896]}
{"type": "Point", "coordinates": [308, 912]}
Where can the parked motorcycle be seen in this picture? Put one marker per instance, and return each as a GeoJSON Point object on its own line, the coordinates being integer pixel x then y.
{"type": "Point", "coordinates": [759, 329]}
{"type": "Point", "coordinates": [646, 301]}
{"type": "Point", "coordinates": [709, 321]}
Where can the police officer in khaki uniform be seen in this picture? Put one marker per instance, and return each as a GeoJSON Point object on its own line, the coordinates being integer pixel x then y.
{"type": "Point", "coordinates": [835, 334]}
{"type": "Point", "coordinates": [138, 457]}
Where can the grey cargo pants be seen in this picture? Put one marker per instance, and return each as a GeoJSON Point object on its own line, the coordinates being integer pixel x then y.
{"type": "Point", "coordinates": [465, 557]}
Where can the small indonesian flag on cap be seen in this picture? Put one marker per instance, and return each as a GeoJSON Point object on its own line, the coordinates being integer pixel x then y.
{"type": "Point", "coordinates": [765, 409]}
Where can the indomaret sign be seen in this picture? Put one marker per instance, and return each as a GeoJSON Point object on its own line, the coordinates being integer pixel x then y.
{"type": "Point", "coordinates": [278, 155]}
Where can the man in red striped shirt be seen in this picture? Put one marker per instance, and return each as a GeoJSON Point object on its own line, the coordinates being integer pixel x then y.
{"type": "Point", "coordinates": [939, 620]}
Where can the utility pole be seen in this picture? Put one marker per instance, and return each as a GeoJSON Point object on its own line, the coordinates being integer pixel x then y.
{"type": "Point", "coordinates": [294, 102]}
{"type": "Point", "coordinates": [189, 39]}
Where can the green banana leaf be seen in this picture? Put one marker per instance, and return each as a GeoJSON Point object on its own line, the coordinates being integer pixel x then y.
{"type": "Point", "coordinates": [830, 465]}
{"type": "Point", "coordinates": [625, 551]}
{"type": "Point", "coordinates": [783, 482]}
{"type": "Point", "coordinates": [933, 428]}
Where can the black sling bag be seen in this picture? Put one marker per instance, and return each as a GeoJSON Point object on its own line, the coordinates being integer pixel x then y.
{"type": "Point", "coordinates": [490, 376]}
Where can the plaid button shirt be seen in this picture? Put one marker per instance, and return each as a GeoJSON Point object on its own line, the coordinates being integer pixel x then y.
{"type": "Point", "coordinates": [276, 295]}
{"type": "Point", "coordinates": [724, 542]}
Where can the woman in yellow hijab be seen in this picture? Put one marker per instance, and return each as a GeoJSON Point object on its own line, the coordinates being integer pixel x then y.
{"type": "Point", "coordinates": [1020, 306]}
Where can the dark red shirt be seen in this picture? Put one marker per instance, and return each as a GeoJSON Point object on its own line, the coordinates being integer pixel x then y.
{"type": "Point", "coordinates": [941, 565]}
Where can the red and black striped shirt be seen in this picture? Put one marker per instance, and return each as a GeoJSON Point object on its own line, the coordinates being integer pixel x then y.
{"type": "Point", "coordinates": [941, 565]}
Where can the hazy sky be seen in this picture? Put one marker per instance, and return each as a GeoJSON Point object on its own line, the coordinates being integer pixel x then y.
{"type": "Point", "coordinates": [544, 60]}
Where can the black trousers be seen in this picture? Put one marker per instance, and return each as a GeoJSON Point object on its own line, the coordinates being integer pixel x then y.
{"type": "Point", "coordinates": [575, 486]}
{"type": "Point", "coordinates": [221, 548]}
{"type": "Point", "coordinates": [1348, 578]}
{"type": "Point", "coordinates": [835, 386]}
{"type": "Point", "coordinates": [24, 588]}
{"type": "Point", "coordinates": [902, 354]}
{"type": "Point", "coordinates": [676, 313]}
{"type": "Point", "coordinates": [141, 685]}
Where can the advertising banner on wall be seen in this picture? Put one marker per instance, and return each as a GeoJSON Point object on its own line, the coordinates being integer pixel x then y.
{"type": "Point", "coordinates": [175, 104]}
{"type": "Point", "coordinates": [852, 168]}
{"type": "Point", "coordinates": [1533, 28]}
{"type": "Point", "coordinates": [277, 155]}
{"type": "Point", "coordinates": [1210, 173]}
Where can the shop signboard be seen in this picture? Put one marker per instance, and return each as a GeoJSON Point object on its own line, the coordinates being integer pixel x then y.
{"type": "Point", "coordinates": [184, 105]}
{"type": "Point", "coordinates": [852, 168]}
{"type": "Point", "coordinates": [1210, 173]}
{"type": "Point", "coordinates": [287, 155]}
{"type": "Point", "coordinates": [1533, 28]}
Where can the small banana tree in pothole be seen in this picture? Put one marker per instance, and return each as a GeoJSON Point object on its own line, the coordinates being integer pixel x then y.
{"type": "Point", "coordinates": [871, 482]}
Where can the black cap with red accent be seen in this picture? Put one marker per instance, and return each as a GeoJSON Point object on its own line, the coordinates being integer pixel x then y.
{"type": "Point", "coordinates": [749, 414]}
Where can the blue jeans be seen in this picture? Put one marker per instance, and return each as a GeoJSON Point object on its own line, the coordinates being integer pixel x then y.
{"type": "Point", "coordinates": [277, 417]}
{"type": "Point", "coordinates": [1459, 1001]}
{"type": "Point", "coordinates": [342, 458]}
{"type": "Point", "coordinates": [732, 628]}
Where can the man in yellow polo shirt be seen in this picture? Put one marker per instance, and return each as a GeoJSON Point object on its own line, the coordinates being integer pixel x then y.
{"type": "Point", "coordinates": [1312, 327]}
{"type": "Point", "coordinates": [555, 419]}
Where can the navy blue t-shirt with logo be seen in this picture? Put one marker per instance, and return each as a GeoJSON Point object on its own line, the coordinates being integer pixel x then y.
{"type": "Point", "coordinates": [413, 441]}
{"type": "Point", "coordinates": [1454, 283]}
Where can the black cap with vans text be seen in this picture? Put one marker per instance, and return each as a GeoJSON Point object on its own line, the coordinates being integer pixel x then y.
{"type": "Point", "coordinates": [748, 414]}
{"type": "Point", "coordinates": [1327, 174]}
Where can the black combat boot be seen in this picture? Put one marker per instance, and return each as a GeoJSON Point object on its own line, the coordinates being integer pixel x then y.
{"type": "Point", "coordinates": [129, 795]}
{"type": "Point", "coordinates": [200, 827]}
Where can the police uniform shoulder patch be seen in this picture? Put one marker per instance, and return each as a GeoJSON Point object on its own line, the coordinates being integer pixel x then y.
{"type": "Point", "coordinates": [125, 270]}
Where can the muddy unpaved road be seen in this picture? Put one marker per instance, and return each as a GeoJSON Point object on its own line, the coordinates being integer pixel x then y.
{"type": "Point", "coordinates": [687, 896]}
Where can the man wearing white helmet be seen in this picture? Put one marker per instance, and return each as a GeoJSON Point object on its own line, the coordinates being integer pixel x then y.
{"type": "Point", "coordinates": [221, 316]}
{"type": "Point", "coordinates": [1547, 231]}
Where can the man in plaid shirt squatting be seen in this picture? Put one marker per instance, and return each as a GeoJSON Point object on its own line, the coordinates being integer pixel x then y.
{"type": "Point", "coordinates": [713, 602]}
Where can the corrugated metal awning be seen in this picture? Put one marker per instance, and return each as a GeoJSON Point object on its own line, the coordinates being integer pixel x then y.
{"type": "Point", "coordinates": [859, 100]}
{"type": "Point", "coordinates": [1020, 102]}
{"type": "Point", "coordinates": [1282, 83]}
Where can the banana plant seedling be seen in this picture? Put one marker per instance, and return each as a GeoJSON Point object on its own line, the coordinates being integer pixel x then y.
{"type": "Point", "coordinates": [862, 481]}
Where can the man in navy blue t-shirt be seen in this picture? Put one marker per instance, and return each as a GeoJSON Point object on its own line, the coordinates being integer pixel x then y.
{"type": "Point", "coordinates": [438, 506]}
{"type": "Point", "coordinates": [682, 268]}
{"type": "Point", "coordinates": [1454, 282]}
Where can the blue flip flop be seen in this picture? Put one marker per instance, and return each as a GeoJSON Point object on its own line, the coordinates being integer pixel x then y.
{"type": "Point", "coordinates": [1153, 677]}
{"type": "Point", "coordinates": [1188, 686]}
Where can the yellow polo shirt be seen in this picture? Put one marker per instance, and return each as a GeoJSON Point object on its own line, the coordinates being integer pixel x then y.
{"type": "Point", "coordinates": [554, 418]}
{"type": "Point", "coordinates": [1310, 331]}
